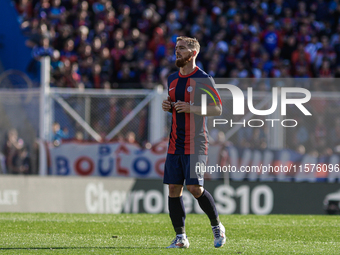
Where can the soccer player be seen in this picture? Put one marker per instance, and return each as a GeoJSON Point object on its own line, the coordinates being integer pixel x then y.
{"type": "Point", "coordinates": [188, 143]}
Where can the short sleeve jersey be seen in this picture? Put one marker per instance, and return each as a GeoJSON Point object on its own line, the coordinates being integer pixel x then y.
{"type": "Point", "coordinates": [189, 133]}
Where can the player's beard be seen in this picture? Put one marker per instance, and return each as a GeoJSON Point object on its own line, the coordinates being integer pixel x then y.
{"type": "Point", "coordinates": [183, 61]}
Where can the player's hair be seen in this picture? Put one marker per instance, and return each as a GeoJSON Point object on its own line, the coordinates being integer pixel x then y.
{"type": "Point", "coordinates": [192, 42]}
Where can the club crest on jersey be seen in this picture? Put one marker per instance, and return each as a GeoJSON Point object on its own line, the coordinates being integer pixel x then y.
{"type": "Point", "coordinates": [189, 89]}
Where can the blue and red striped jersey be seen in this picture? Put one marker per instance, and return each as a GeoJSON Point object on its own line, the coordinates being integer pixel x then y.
{"type": "Point", "coordinates": [189, 133]}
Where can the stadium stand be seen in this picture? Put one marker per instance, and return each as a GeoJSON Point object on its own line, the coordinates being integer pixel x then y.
{"type": "Point", "coordinates": [130, 44]}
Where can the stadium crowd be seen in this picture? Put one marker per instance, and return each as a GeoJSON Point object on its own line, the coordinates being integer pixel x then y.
{"type": "Point", "coordinates": [130, 44]}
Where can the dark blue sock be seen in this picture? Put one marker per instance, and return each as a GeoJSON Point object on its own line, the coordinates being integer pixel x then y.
{"type": "Point", "coordinates": [177, 214]}
{"type": "Point", "coordinates": [207, 204]}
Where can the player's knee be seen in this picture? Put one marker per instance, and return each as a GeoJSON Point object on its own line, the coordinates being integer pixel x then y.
{"type": "Point", "coordinates": [175, 190]}
{"type": "Point", "coordinates": [196, 191]}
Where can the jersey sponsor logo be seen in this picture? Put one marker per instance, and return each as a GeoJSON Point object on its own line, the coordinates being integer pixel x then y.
{"type": "Point", "coordinates": [171, 89]}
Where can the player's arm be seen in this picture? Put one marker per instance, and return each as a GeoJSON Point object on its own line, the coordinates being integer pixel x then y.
{"type": "Point", "coordinates": [212, 110]}
{"type": "Point", "coordinates": [213, 100]}
{"type": "Point", "coordinates": [166, 104]}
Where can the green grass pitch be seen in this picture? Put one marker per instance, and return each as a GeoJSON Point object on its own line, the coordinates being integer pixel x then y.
{"type": "Point", "coordinates": [40, 233]}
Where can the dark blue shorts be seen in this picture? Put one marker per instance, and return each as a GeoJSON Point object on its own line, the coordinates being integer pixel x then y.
{"type": "Point", "coordinates": [184, 167]}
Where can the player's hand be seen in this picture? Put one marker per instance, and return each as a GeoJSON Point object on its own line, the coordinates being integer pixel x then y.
{"type": "Point", "coordinates": [166, 105]}
{"type": "Point", "coordinates": [181, 106]}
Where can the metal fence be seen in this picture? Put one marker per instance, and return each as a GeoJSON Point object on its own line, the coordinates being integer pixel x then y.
{"type": "Point", "coordinates": [315, 133]}
{"type": "Point", "coordinates": [105, 115]}
{"type": "Point", "coordinates": [19, 111]}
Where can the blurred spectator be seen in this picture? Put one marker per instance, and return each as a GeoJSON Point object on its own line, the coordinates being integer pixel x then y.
{"type": "Point", "coordinates": [131, 137]}
{"type": "Point", "coordinates": [79, 136]}
{"type": "Point", "coordinates": [325, 70]}
{"type": "Point", "coordinates": [96, 76]}
{"type": "Point", "coordinates": [24, 8]}
{"type": "Point", "coordinates": [325, 52]}
{"type": "Point", "coordinates": [148, 78]}
{"type": "Point", "coordinates": [68, 51]}
{"type": "Point", "coordinates": [12, 147]}
{"type": "Point", "coordinates": [21, 162]}
{"type": "Point", "coordinates": [127, 78]}
{"type": "Point", "coordinates": [288, 48]}
{"type": "Point", "coordinates": [58, 134]}
{"type": "Point", "coordinates": [270, 37]}
{"type": "Point", "coordinates": [55, 12]}
{"type": "Point", "coordinates": [43, 50]}
{"type": "Point", "coordinates": [313, 47]}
